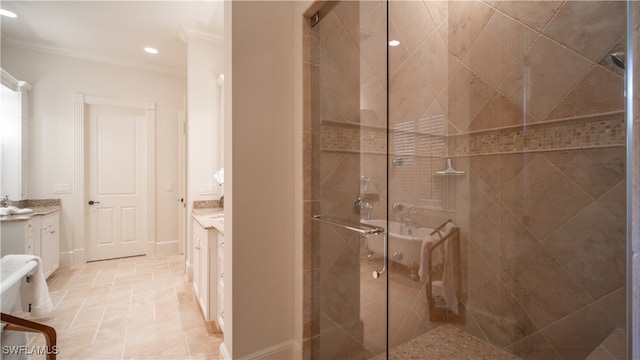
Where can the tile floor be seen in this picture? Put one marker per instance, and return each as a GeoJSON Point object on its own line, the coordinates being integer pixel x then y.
{"type": "Point", "coordinates": [132, 308]}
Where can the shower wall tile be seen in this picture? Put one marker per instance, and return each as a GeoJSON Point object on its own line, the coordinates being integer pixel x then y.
{"type": "Point", "coordinates": [339, 289]}
{"type": "Point", "coordinates": [534, 347]}
{"type": "Point", "coordinates": [370, 37]}
{"type": "Point", "coordinates": [544, 289]}
{"type": "Point", "coordinates": [614, 306]}
{"type": "Point", "coordinates": [432, 55]}
{"type": "Point", "coordinates": [499, 112]}
{"type": "Point", "coordinates": [577, 335]}
{"type": "Point", "coordinates": [544, 185]}
{"type": "Point", "coordinates": [594, 170]}
{"type": "Point", "coordinates": [598, 92]}
{"type": "Point", "coordinates": [575, 133]}
{"type": "Point", "coordinates": [413, 22]}
{"type": "Point", "coordinates": [340, 77]}
{"type": "Point", "coordinates": [605, 60]}
{"type": "Point", "coordinates": [500, 44]}
{"type": "Point", "coordinates": [498, 236]}
{"type": "Point", "coordinates": [552, 70]}
{"type": "Point", "coordinates": [615, 200]}
{"type": "Point", "coordinates": [467, 94]}
{"type": "Point", "coordinates": [397, 54]}
{"type": "Point", "coordinates": [592, 247]}
{"type": "Point", "coordinates": [498, 314]}
{"type": "Point", "coordinates": [348, 12]}
{"type": "Point", "coordinates": [439, 10]}
{"type": "Point", "coordinates": [535, 14]}
{"type": "Point", "coordinates": [408, 92]}
{"type": "Point", "coordinates": [324, 35]}
{"type": "Point", "coordinates": [498, 170]}
{"type": "Point", "coordinates": [466, 21]}
{"type": "Point", "coordinates": [341, 187]}
{"type": "Point", "coordinates": [475, 270]}
{"type": "Point", "coordinates": [606, 21]}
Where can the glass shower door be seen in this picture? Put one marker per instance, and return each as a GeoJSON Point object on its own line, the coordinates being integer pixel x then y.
{"type": "Point", "coordinates": [346, 135]}
{"type": "Point", "coordinates": [507, 179]}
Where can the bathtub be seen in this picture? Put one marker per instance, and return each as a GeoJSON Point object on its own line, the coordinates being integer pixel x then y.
{"type": "Point", "coordinates": [404, 249]}
{"type": "Point", "coordinates": [13, 273]}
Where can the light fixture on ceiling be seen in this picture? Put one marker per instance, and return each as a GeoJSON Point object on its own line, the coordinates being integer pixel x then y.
{"type": "Point", "coordinates": [8, 13]}
{"type": "Point", "coordinates": [151, 50]}
{"type": "Point", "coordinates": [394, 43]}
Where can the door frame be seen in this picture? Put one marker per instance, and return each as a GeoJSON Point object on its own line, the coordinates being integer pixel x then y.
{"type": "Point", "coordinates": [80, 237]}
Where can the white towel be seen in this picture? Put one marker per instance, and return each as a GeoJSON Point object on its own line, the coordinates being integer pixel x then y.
{"type": "Point", "coordinates": [35, 292]}
{"type": "Point", "coordinates": [442, 255]}
{"type": "Point", "coordinates": [424, 256]}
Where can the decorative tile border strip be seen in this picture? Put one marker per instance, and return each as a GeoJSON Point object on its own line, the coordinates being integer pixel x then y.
{"type": "Point", "coordinates": [601, 130]}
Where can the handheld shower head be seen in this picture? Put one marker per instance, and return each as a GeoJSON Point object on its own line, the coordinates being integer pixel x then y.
{"type": "Point", "coordinates": [619, 58]}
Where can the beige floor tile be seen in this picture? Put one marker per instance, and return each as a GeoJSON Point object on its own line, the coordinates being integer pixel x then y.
{"type": "Point", "coordinates": [133, 308]}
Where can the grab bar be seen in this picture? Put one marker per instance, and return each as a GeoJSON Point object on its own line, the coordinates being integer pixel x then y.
{"type": "Point", "coordinates": [359, 228]}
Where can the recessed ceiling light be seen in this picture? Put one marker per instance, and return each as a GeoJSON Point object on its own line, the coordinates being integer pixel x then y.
{"type": "Point", "coordinates": [151, 50]}
{"type": "Point", "coordinates": [8, 13]}
{"type": "Point", "coordinates": [394, 43]}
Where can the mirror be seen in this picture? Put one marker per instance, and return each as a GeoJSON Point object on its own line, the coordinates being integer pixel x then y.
{"type": "Point", "coordinates": [14, 98]}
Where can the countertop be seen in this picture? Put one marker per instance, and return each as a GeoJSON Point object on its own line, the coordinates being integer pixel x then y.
{"type": "Point", "coordinates": [37, 211]}
{"type": "Point", "coordinates": [206, 217]}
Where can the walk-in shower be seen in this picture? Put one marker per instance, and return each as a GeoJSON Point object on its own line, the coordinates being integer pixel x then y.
{"type": "Point", "coordinates": [472, 154]}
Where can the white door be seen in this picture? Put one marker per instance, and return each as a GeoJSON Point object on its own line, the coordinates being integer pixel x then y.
{"type": "Point", "coordinates": [116, 195]}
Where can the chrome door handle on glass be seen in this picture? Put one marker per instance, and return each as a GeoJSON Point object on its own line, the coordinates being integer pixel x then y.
{"type": "Point", "coordinates": [376, 274]}
{"type": "Point", "coordinates": [363, 229]}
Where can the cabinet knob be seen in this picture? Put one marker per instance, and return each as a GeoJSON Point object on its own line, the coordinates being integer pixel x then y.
{"type": "Point", "coordinates": [222, 276]}
{"type": "Point", "coordinates": [91, 202]}
{"type": "Point", "coordinates": [222, 244]}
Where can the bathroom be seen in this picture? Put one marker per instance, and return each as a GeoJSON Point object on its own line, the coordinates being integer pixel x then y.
{"type": "Point", "coordinates": [274, 284]}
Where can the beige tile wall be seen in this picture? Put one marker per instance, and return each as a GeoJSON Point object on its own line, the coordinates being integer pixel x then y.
{"type": "Point", "coordinates": [531, 107]}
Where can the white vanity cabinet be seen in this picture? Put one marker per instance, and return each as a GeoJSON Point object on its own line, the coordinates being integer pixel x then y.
{"type": "Point", "coordinates": [49, 242]}
{"type": "Point", "coordinates": [220, 282]}
{"type": "Point", "coordinates": [18, 237]}
{"type": "Point", "coordinates": [204, 269]}
{"type": "Point", "coordinates": [208, 268]}
{"type": "Point", "coordinates": [38, 236]}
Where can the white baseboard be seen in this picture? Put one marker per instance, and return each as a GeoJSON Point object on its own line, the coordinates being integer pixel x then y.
{"type": "Point", "coordinates": [224, 353]}
{"type": "Point", "coordinates": [66, 259]}
{"type": "Point", "coordinates": [280, 351]}
{"type": "Point", "coordinates": [167, 247]}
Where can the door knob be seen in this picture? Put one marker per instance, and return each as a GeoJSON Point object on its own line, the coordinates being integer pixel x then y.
{"type": "Point", "coordinates": [91, 202]}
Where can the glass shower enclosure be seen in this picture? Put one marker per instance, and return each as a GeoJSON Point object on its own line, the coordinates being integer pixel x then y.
{"type": "Point", "coordinates": [466, 190]}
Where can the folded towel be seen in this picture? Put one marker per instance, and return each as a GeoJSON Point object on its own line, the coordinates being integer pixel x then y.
{"type": "Point", "coordinates": [34, 293]}
{"type": "Point", "coordinates": [12, 210]}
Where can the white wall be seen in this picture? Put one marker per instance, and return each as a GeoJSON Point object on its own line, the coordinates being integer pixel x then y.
{"type": "Point", "coordinates": [260, 303]}
{"type": "Point", "coordinates": [55, 80]}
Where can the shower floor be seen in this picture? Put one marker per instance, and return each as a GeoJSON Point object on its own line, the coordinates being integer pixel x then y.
{"type": "Point", "coordinates": [447, 342]}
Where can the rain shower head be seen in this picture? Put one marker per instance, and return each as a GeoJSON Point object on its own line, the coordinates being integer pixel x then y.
{"type": "Point", "coordinates": [618, 58]}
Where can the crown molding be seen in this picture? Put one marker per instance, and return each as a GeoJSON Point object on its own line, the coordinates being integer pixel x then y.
{"type": "Point", "coordinates": [187, 32]}
{"type": "Point", "coordinates": [78, 54]}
